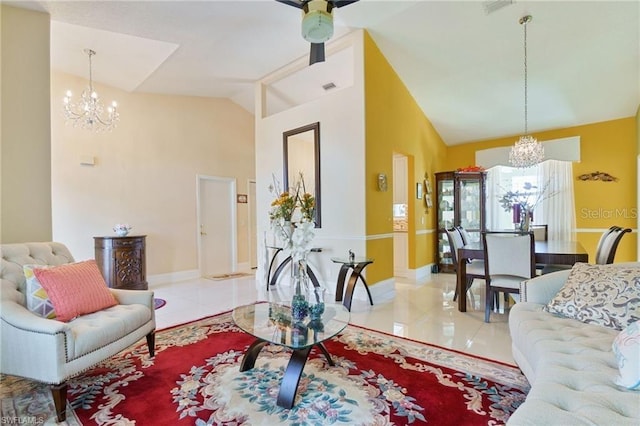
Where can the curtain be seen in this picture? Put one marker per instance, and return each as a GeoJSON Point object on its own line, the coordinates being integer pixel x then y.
{"type": "Point", "coordinates": [492, 206]}
{"type": "Point", "coordinates": [558, 208]}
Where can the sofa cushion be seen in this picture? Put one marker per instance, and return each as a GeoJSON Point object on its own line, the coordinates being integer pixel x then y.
{"type": "Point", "coordinates": [96, 330]}
{"type": "Point", "coordinates": [626, 347]}
{"type": "Point", "coordinates": [572, 371]}
{"type": "Point", "coordinates": [537, 336]}
{"type": "Point", "coordinates": [75, 289]}
{"type": "Point", "coordinates": [608, 295]}
{"type": "Point", "coordinates": [38, 300]}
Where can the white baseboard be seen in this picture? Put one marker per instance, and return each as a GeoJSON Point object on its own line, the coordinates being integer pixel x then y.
{"type": "Point", "coordinates": [420, 274]}
{"type": "Point", "coordinates": [173, 276]}
{"type": "Point", "coordinates": [381, 291]}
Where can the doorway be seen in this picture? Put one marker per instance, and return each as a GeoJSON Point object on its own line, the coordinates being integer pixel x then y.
{"type": "Point", "coordinates": [217, 245]}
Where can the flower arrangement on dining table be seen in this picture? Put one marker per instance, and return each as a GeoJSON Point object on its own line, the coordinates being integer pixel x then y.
{"type": "Point", "coordinates": [522, 203]}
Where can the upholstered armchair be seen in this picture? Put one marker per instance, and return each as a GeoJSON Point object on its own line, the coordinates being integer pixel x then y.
{"type": "Point", "coordinates": [52, 351]}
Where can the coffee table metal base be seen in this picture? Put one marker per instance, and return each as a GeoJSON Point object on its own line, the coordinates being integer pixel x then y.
{"type": "Point", "coordinates": [293, 372]}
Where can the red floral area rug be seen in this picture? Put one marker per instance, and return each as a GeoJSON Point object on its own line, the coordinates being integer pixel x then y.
{"type": "Point", "coordinates": [378, 379]}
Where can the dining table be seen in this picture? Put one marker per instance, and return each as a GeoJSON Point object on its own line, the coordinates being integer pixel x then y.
{"type": "Point", "coordinates": [554, 252]}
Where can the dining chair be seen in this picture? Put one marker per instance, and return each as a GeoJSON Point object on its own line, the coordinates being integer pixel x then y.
{"type": "Point", "coordinates": [509, 259]}
{"type": "Point", "coordinates": [608, 244]}
{"type": "Point", "coordinates": [605, 250]}
{"type": "Point", "coordinates": [540, 232]}
{"type": "Point", "coordinates": [464, 234]}
{"type": "Point", "coordinates": [475, 268]}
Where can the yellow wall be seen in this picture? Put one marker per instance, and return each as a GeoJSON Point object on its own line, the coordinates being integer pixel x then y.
{"type": "Point", "coordinates": [610, 147]}
{"type": "Point", "coordinates": [26, 129]}
{"type": "Point", "coordinates": [395, 123]}
{"type": "Point", "coordinates": [638, 130]}
{"type": "Point", "coordinates": [638, 178]}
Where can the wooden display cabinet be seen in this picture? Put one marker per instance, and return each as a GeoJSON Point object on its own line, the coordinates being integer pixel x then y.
{"type": "Point", "coordinates": [122, 261]}
{"type": "Point", "coordinates": [460, 201]}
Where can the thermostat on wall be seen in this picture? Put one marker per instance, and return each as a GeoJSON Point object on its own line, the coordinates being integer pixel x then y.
{"type": "Point", "coordinates": [87, 160]}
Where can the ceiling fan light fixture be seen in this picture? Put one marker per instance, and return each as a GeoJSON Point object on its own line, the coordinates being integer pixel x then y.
{"type": "Point", "coordinates": [317, 24]}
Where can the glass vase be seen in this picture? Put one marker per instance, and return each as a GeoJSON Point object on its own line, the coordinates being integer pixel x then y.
{"type": "Point", "coordinates": [299, 302]}
{"type": "Point", "coordinates": [316, 302]}
{"type": "Point", "coordinates": [525, 220]}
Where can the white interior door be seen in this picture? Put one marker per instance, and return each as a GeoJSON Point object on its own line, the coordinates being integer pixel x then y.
{"type": "Point", "coordinates": [217, 225]}
{"type": "Point", "coordinates": [253, 227]}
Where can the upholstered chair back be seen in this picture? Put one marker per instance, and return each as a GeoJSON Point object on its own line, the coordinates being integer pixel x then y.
{"type": "Point", "coordinates": [15, 256]}
{"type": "Point", "coordinates": [510, 254]}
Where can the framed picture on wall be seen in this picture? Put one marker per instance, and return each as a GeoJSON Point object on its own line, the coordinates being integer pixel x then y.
{"type": "Point", "coordinates": [241, 198]}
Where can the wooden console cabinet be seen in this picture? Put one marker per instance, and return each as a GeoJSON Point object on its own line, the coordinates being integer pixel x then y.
{"type": "Point", "coordinates": [122, 261]}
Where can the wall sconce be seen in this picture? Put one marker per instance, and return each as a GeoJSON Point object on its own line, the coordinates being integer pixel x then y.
{"type": "Point", "coordinates": [382, 182]}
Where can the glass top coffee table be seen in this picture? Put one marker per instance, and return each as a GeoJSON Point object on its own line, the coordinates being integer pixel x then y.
{"type": "Point", "coordinates": [272, 323]}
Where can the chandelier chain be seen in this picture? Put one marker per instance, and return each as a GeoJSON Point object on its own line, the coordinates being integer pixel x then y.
{"type": "Point", "coordinates": [91, 53]}
{"type": "Point", "coordinates": [526, 152]}
{"type": "Point", "coordinates": [526, 87]}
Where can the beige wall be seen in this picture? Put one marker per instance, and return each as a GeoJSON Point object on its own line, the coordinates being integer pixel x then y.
{"type": "Point", "coordinates": [25, 136]}
{"type": "Point", "coordinates": [145, 171]}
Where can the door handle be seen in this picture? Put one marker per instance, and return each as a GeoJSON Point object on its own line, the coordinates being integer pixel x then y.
{"type": "Point", "coordinates": [202, 230]}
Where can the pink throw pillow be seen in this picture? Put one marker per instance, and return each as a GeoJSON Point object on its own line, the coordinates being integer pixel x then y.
{"type": "Point", "coordinates": [75, 289]}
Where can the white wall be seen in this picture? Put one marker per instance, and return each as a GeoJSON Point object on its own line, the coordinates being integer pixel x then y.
{"type": "Point", "coordinates": [145, 171]}
{"type": "Point", "coordinates": [342, 153]}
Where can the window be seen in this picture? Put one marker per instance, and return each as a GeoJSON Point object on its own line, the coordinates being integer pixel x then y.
{"type": "Point", "coordinates": [504, 179]}
{"type": "Point", "coordinates": [556, 210]}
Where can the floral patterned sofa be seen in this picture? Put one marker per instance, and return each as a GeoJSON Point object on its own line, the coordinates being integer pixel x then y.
{"type": "Point", "coordinates": [581, 371]}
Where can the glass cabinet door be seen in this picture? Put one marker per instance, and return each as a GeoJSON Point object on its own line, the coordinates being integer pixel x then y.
{"type": "Point", "coordinates": [470, 202]}
{"type": "Point", "coordinates": [470, 207]}
{"type": "Point", "coordinates": [445, 207]}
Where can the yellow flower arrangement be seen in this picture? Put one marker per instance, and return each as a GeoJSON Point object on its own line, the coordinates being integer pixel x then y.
{"type": "Point", "coordinates": [286, 203]}
{"type": "Point", "coordinates": [291, 216]}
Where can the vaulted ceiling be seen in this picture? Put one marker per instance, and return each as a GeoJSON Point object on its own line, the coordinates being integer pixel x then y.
{"type": "Point", "coordinates": [464, 66]}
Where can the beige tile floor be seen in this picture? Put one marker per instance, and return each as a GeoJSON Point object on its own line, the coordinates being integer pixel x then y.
{"type": "Point", "coordinates": [422, 311]}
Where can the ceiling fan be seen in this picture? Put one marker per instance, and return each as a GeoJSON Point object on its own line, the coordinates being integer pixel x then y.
{"type": "Point", "coordinates": [317, 23]}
